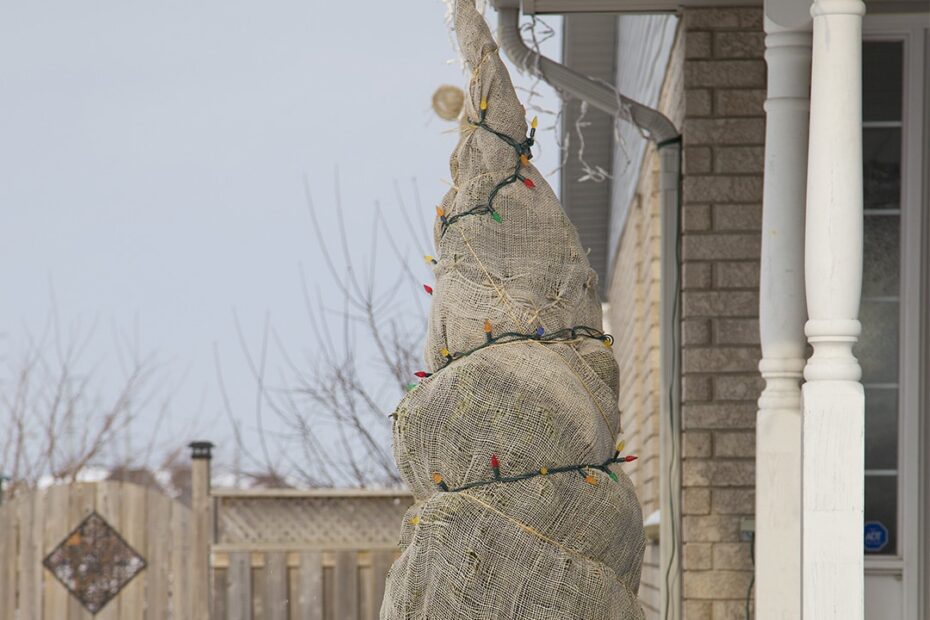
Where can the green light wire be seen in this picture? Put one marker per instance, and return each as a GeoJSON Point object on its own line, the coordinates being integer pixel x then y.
{"type": "Point", "coordinates": [520, 148]}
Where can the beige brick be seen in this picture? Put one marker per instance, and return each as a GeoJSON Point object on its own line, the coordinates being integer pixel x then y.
{"type": "Point", "coordinates": [720, 303]}
{"type": "Point", "coordinates": [724, 131]}
{"type": "Point", "coordinates": [722, 189]}
{"type": "Point", "coordinates": [738, 216]}
{"type": "Point", "coordinates": [738, 387]}
{"type": "Point", "coordinates": [697, 610]}
{"type": "Point", "coordinates": [696, 445]}
{"type": "Point", "coordinates": [732, 556]}
{"type": "Point", "coordinates": [713, 416]}
{"type": "Point", "coordinates": [710, 19]}
{"type": "Point", "coordinates": [697, 159]}
{"type": "Point", "coordinates": [697, 45]}
{"type": "Point", "coordinates": [696, 473]}
{"type": "Point", "coordinates": [735, 444]}
{"type": "Point", "coordinates": [720, 246]}
{"type": "Point", "coordinates": [695, 331]}
{"type": "Point", "coordinates": [695, 501]}
{"type": "Point", "coordinates": [696, 275]}
{"type": "Point", "coordinates": [724, 74]}
{"type": "Point", "coordinates": [739, 159]}
{"type": "Point", "coordinates": [698, 102]}
{"type": "Point", "coordinates": [695, 388]}
{"type": "Point", "coordinates": [736, 331]}
{"type": "Point", "coordinates": [734, 610]}
{"type": "Point", "coordinates": [711, 528]}
{"type": "Point", "coordinates": [749, 18]}
{"type": "Point", "coordinates": [732, 473]}
{"type": "Point", "coordinates": [733, 501]}
{"type": "Point", "coordinates": [697, 556]}
{"type": "Point", "coordinates": [715, 584]}
{"type": "Point", "coordinates": [695, 218]}
{"type": "Point", "coordinates": [720, 359]}
{"type": "Point", "coordinates": [745, 44]}
{"type": "Point", "coordinates": [737, 275]}
{"type": "Point", "coordinates": [739, 102]}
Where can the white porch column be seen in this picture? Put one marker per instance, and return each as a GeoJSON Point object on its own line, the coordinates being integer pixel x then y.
{"type": "Point", "coordinates": [833, 459]}
{"type": "Point", "coordinates": [782, 312]}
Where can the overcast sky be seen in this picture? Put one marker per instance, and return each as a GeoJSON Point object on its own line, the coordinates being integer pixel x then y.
{"type": "Point", "coordinates": [152, 164]}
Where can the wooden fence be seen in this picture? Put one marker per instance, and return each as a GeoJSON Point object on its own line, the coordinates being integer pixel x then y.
{"type": "Point", "coordinates": [312, 555]}
{"type": "Point", "coordinates": [34, 524]}
{"type": "Point", "coordinates": [237, 555]}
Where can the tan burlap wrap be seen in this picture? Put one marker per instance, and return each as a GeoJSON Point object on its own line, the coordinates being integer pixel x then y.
{"type": "Point", "coordinates": [549, 547]}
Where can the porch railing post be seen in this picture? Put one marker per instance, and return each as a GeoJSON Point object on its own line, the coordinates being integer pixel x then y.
{"type": "Point", "coordinates": [203, 534]}
{"type": "Point", "coordinates": [782, 311]}
{"type": "Point", "coordinates": [833, 426]}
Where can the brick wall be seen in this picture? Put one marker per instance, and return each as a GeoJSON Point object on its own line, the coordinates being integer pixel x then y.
{"type": "Point", "coordinates": [723, 131]}
{"type": "Point", "coordinates": [714, 90]}
{"type": "Point", "coordinates": [633, 318]}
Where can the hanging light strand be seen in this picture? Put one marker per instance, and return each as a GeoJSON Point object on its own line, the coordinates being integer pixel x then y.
{"type": "Point", "coordinates": [585, 470]}
{"type": "Point", "coordinates": [540, 335]}
{"type": "Point", "coordinates": [523, 154]}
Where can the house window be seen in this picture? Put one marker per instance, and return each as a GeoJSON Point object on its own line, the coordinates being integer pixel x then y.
{"type": "Point", "coordinates": [878, 349]}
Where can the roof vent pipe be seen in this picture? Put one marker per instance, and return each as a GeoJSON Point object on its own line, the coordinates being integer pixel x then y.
{"type": "Point", "coordinates": [662, 131]}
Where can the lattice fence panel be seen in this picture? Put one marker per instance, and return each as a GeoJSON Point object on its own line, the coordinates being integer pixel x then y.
{"type": "Point", "coordinates": [308, 521]}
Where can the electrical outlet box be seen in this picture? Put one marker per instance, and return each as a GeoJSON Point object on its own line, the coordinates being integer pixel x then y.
{"type": "Point", "coordinates": [747, 529]}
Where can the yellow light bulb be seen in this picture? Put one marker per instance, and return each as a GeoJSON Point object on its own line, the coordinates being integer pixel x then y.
{"type": "Point", "coordinates": [590, 479]}
{"type": "Point", "coordinates": [535, 122]}
{"type": "Point", "coordinates": [428, 259]}
{"type": "Point", "coordinates": [543, 471]}
{"type": "Point", "coordinates": [484, 104]}
{"type": "Point", "coordinates": [415, 520]}
{"type": "Point", "coordinates": [440, 212]}
{"type": "Point", "coordinates": [444, 352]}
{"type": "Point", "coordinates": [437, 477]}
{"type": "Point", "coordinates": [620, 445]}
{"type": "Point", "coordinates": [524, 160]}
{"type": "Point", "coordinates": [487, 326]}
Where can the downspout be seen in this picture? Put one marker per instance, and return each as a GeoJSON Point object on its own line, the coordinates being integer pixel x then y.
{"type": "Point", "coordinates": [663, 132]}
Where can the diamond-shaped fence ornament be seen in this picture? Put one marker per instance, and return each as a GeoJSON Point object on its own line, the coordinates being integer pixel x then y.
{"type": "Point", "coordinates": [94, 563]}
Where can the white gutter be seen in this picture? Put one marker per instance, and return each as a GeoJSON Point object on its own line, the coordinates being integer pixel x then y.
{"type": "Point", "coordinates": [663, 132]}
{"type": "Point", "coordinates": [658, 127]}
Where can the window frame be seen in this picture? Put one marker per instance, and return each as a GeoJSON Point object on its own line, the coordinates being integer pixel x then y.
{"type": "Point", "coordinates": [913, 549]}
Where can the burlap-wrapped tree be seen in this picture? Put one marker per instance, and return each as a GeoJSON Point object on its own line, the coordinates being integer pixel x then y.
{"type": "Point", "coordinates": [508, 443]}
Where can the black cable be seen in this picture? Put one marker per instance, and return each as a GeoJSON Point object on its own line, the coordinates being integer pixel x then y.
{"type": "Point", "coordinates": [752, 557]}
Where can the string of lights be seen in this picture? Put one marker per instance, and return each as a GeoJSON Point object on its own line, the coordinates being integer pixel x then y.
{"type": "Point", "coordinates": [540, 335]}
{"type": "Point", "coordinates": [585, 470]}
{"type": "Point", "coordinates": [523, 154]}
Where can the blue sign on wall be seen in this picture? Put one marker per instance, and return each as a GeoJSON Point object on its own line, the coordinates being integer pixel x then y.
{"type": "Point", "coordinates": [876, 536]}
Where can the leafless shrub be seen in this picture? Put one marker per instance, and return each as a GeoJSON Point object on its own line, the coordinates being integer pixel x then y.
{"type": "Point", "coordinates": [59, 416]}
{"type": "Point", "coordinates": [334, 401]}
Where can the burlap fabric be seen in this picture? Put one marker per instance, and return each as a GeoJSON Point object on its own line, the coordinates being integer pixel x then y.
{"type": "Point", "coordinates": [549, 547]}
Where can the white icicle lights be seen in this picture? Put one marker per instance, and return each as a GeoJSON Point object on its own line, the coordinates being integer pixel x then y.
{"type": "Point", "coordinates": [564, 545]}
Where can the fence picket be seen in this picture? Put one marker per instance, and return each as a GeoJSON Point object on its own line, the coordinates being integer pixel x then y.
{"type": "Point", "coordinates": [380, 565]}
{"type": "Point", "coordinates": [133, 509]}
{"type": "Point", "coordinates": [9, 530]}
{"type": "Point", "coordinates": [80, 504]}
{"type": "Point", "coordinates": [158, 555]}
{"type": "Point", "coordinates": [109, 496]}
{"type": "Point", "coordinates": [239, 586]}
{"type": "Point", "coordinates": [275, 582]}
{"type": "Point", "coordinates": [310, 586]}
{"type": "Point", "coordinates": [181, 605]}
{"type": "Point", "coordinates": [345, 585]}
